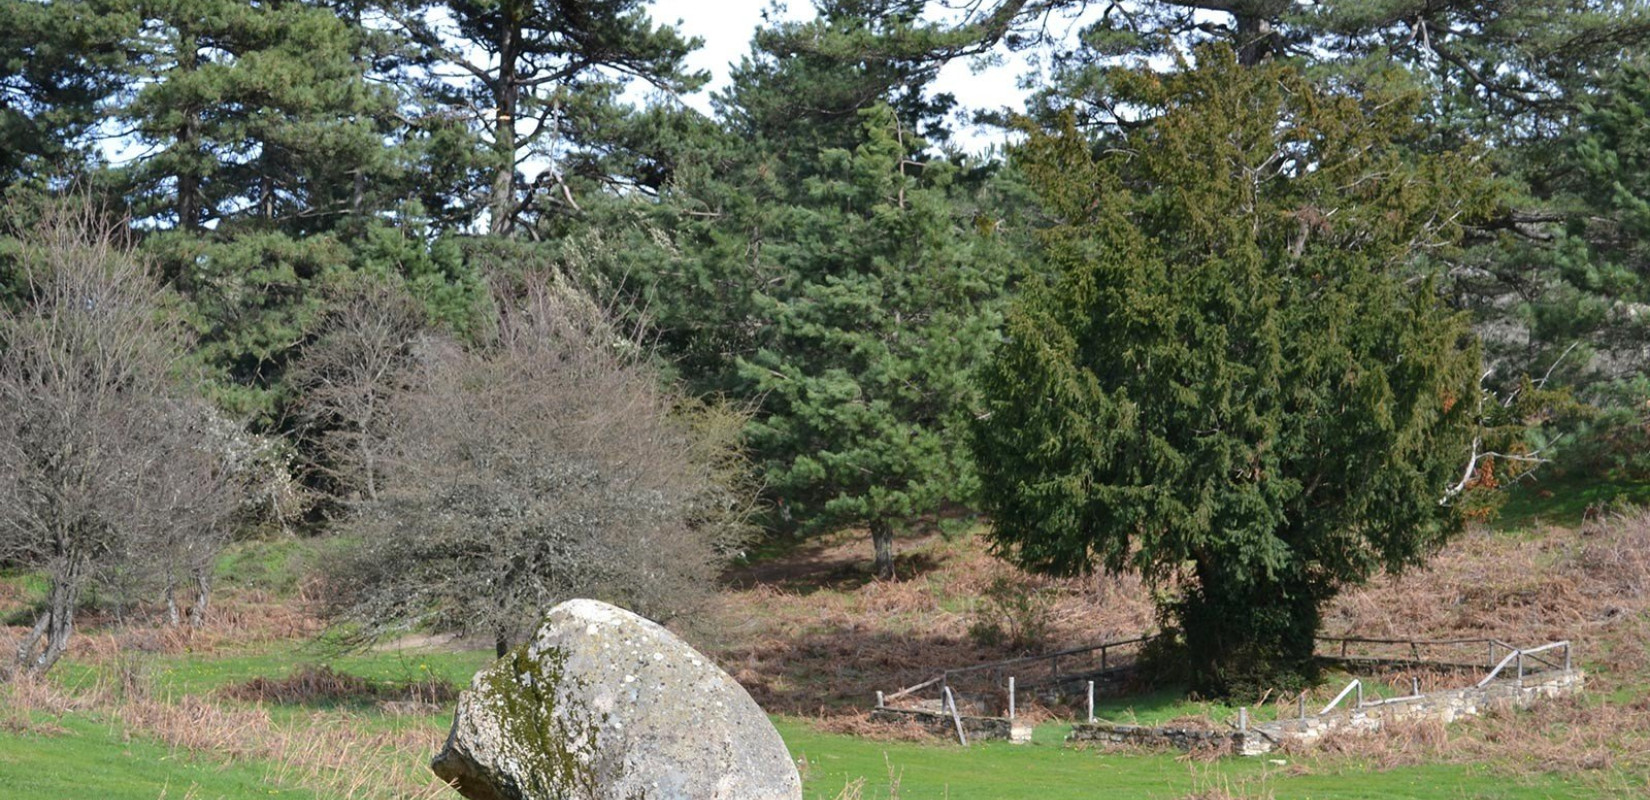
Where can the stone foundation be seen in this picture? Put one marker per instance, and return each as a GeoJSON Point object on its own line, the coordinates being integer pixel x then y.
{"type": "Point", "coordinates": [1444, 706]}
{"type": "Point", "coordinates": [1108, 734]}
{"type": "Point", "coordinates": [978, 729]}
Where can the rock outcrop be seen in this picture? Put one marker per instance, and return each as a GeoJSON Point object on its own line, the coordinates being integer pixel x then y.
{"type": "Point", "coordinates": [604, 705]}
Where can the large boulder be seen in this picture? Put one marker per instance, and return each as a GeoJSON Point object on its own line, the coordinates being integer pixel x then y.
{"type": "Point", "coordinates": [605, 705]}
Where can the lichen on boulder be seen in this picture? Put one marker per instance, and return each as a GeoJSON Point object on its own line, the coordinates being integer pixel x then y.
{"type": "Point", "coordinates": [602, 704]}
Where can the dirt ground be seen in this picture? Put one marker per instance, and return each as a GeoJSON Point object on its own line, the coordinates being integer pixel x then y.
{"type": "Point", "coordinates": [811, 632]}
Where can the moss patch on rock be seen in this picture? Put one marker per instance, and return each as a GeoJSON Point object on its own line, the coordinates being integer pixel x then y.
{"type": "Point", "coordinates": [546, 740]}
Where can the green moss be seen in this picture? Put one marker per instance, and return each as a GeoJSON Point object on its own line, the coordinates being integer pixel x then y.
{"type": "Point", "coordinates": [521, 693]}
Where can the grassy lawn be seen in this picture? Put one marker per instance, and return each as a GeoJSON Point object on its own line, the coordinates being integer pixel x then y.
{"type": "Point", "coordinates": [89, 758]}
{"type": "Point", "coordinates": [93, 759]}
{"type": "Point", "coordinates": [1564, 500]}
{"type": "Point", "coordinates": [1047, 771]}
{"type": "Point", "coordinates": [189, 674]}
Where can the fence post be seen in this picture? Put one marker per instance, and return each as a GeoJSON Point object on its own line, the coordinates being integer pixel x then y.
{"type": "Point", "coordinates": [1011, 697]}
{"type": "Point", "coordinates": [879, 700]}
{"type": "Point", "coordinates": [956, 717]}
{"type": "Point", "coordinates": [1521, 669]}
{"type": "Point", "coordinates": [1566, 656]}
{"type": "Point", "coordinates": [1102, 658]}
{"type": "Point", "coordinates": [1303, 704]}
{"type": "Point", "coordinates": [1091, 701]}
{"type": "Point", "coordinates": [1243, 719]}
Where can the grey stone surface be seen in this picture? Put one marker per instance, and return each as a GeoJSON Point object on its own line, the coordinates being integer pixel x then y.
{"type": "Point", "coordinates": [605, 705]}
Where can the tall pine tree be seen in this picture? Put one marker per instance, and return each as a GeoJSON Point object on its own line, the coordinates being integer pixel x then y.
{"type": "Point", "coordinates": [883, 303]}
{"type": "Point", "coordinates": [538, 79]}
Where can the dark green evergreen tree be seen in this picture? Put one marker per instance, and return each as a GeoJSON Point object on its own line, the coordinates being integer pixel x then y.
{"type": "Point", "coordinates": [268, 164]}
{"type": "Point", "coordinates": [818, 258]}
{"type": "Point", "coordinates": [1605, 253]}
{"type": "Point", "coordinates": [1548, 297]}
{"type": "Point", "coordinates": [1231, 385]}
{"type": "Point", "coordinates": [884, 303]}
{"type": "Point", "coordinates": [804, 85]}
{"type": "Point", "coordinates": [539, 80]}
{"type": "Point", "coordinates": [58, 62]}
{"type": "Point", "coordinates": [1590, 281]}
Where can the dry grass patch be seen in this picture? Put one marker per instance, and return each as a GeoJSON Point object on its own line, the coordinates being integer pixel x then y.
{"type": "Point", "coordinates": [825, 647]}
{"type": "Point", "coordinates": [1581, 585]}
{"type": "Point", "coordinates": [312, 684]}
{"type": "Point", "coordinates": [239, 619]}
{"type": "Point", "coordinates": [1587, 586]}
{"type": "Point", "coordinates": [859, 724]}
{"type": "Point", "coordinates": [331, 753]}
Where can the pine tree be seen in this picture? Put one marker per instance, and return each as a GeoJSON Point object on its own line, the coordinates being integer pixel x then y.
{"type": "Point", "coordinates": [58, 62]}
{"type": "Point", "coordinates": [804, 85]}
{"type": "Point", "coordinates": [541, 78]}
{"type": "Point", "coordinates": [885, 304]}
{"type": "Point", "coordinates": [817, 257]}
{"type": "Point", "coordinates": [269, 166]}
{"type": "Point", "coordinates": [1512, 74]}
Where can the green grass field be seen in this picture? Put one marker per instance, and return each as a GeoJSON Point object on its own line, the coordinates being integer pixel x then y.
{"type": "Point", "coordinates": [87, 756]}
{"type": "Point", "coordinates": [1565, 500]}
{"type": "Point", "coordinates": [92, 758]}
{"type": "Point", "coordinates": [1046, 770]}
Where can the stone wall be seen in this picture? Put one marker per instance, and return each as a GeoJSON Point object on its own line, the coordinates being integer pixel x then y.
{"type": "Point", "coordinates": [978, 729]}
{"type": "Point", "coordinates": [1106, 733]}
{"type": "Point", "coordinates": [1445, 706]}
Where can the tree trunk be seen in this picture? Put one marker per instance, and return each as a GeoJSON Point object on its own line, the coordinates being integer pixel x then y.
{"type": "Point", "coordinates": [61, 628]}
{"type": "Point", "coordinates": [1254, 39]}
{"type": "Point", "coordinates": [506, 100]}
{"type": "Point", "coordinates": [189, 179]}
{"type": "Point", "coordinates": [189, 183]}
{"type": "Point", "coordinates": [882, 542]}
{"type": "Point", "coordinates": [25, 648]}
{"type": "Point", "coordinates": [1245, 635]}
{"type": "Point", "coordinates": [501, 645]}
{"type": "Point", "coordinates": [370, 467]}
{"type": "Point", "coordinates": [266, 202]}
{"type": "Point", "coordinates": [172, 617]}
{"type": "Point", "coordinates": [358, 176]}
{"type": "Point", "coordinates": [55, 624]}
{"type": "Point", "coordinates": [203, 594]}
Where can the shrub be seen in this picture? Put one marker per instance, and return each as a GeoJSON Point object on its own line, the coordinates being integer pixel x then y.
{"type": "Point", "coordinates": [544, 463]}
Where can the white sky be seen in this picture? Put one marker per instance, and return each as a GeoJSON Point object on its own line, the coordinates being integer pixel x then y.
{"type": "Point", "coordinates": [726, 27]}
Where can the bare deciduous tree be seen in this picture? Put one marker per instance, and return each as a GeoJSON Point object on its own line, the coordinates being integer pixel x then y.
{"type": "Point", "coordinates": [347, 375]}
{"type": "Point", "coordinates": [543, 465]}
{"type": "Point", "coordinates": [101, 452]}
{"type": "Point", "coordinates": [194, 494]}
